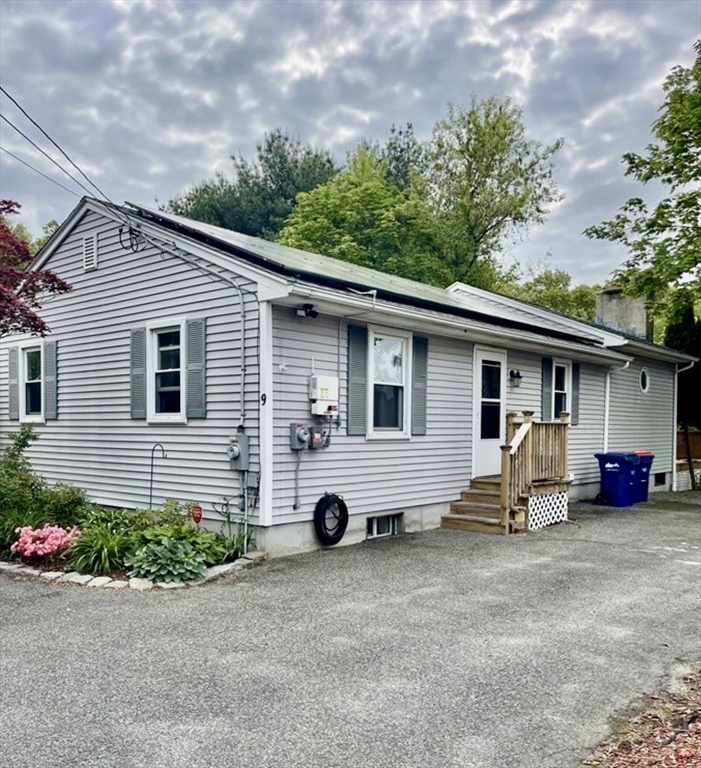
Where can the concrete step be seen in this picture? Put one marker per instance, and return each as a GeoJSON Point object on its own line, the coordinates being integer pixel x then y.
{"type": "Point", "coordinates": [490, 511]}
{"type": "Point", "coordinates": [478, 496]}
{"type": "Point", "coordinates": [472, 523]}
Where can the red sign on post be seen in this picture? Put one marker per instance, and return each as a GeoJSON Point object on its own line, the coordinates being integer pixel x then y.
{"type": "Point", "coordinates": [196, 513]}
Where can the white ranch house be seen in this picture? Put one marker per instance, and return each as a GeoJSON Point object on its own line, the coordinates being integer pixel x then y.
{"type": "Point", "coordinates": [292, 375]}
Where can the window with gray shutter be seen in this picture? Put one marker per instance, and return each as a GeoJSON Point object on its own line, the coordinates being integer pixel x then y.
{"type": "Point", "coordinates": [138, 373]}
{"type": "Point", "coordinates": [546, 407]}
{"type": "Point", "coordinates": [418, 385]}
{"type": "Point", "coordinates": [357, 379]}
{"type": "Point", "coordinates": [13, 387]}
{"type": "Point", "coordinates": [196, 385]}
{"type": "Point", "coordinates": [50, 381]}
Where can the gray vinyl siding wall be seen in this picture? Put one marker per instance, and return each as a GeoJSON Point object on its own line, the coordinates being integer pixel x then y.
{"type": "Point", "coordinates": [644, 421]}
{"type": "Point", "coordinates": [94, 443]}
{"type": "Point", "coordinates": [585, 439]}
{"type": "Point", "coordinates": [372, 476]}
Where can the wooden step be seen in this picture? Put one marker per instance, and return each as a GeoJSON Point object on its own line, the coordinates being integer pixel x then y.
{"type": "Point", "coordinates": [486, 483]}
{"type": "Point", "coordinates": [478, 496]}
{"type": "Point", "coordinates": [472, 523]}
{"type": "Point", "coordinates": [490, 511]}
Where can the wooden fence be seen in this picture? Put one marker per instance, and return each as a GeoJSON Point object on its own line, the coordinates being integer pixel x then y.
{"type": "Point", "coordinates": [694, 444]}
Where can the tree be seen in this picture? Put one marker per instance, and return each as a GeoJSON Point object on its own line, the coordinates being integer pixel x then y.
{"type": "Point", "coordinates": [360, 217]}
{"type": "Point", "coordinates": [684, 334]}
{"type": "Point", "coordinates": [263, 192]}
{"type": "Point", "coordinates": [552, 289]}
{"type": "Point", "coordinates": [22, 292]}
{"type": "Point", "coordinates": [665, 242]}
{"type": "Point", "coordinates": [47, 232]}
{"type": "Point", "coordinates": [488, 181]}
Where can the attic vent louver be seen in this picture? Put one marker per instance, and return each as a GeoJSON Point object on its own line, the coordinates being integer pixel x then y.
{"type": "Point", "coordinates": [89, 253]}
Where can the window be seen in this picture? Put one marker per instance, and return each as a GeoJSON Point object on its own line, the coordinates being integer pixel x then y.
{"type": "Point", "coordinates": [387, 383]}
{"type": "Point", "coordinates": [388, 391]}
{"type": "Point", "coordinates": [32, 382]}
{"type": "Point", "coordinates": [644, 381]}
{"type": "Point", "coordinates": [660, 479]}
{"type": "Point", "coordinates": [561, 388]}
{"type": "Point", "coordinates": [384, 525]}
{"type": "Point", "coordinates": [168, 371]}
{"type": "Point", "coordinates": [165, 379]}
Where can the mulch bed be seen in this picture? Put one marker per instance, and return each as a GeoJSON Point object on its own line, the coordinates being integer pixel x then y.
{"type": "Point", "coordinates": [665, 733]}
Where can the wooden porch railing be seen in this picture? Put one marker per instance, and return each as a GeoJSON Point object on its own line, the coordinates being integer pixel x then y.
{"type": "Point", "coordinates": [535, 452]}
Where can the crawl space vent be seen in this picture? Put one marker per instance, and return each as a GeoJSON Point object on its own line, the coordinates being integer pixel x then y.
{"type": "Point", "coordinates": [89, 253]}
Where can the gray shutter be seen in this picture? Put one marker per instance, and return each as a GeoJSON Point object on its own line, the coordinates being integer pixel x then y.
{"type": "Point", "coordinates": [357, 378]}
{"type": "Point", "coordinates": [50, 380]}
{"type": "Point", "coordinates": [546, 406]}
{"type": "Point", "coordinates": [138, 373]}
{"type": "Point", "coordinates": [418, 386]}
{"type": "Point", "coordinates": [14, 383]}
{"type": "Point", "coordinates": [574, 415]}
{"type": "Point", "coordinates": [196, 403]}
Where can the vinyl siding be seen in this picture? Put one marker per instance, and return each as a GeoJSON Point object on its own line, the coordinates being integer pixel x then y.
{"type": "Point", "coordinates": [644, 421]}
{"type": "Point", "coordinates": [587, 437]}
{"type": "Point", "coordinates": [371, 476]}
{"type": "Point", "coordinates": [94, 443]}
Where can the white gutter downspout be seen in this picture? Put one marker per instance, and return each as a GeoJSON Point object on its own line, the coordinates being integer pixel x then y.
{"type": "Point", "coordinates": [607, 403]}
{"type": "Point", "coordinates": [677, 371]}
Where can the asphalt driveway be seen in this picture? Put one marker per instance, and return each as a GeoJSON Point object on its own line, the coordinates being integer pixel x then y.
{"type": "Point", "coordinates": [436, 649]}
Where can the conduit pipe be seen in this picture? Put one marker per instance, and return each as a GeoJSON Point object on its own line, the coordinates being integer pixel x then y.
{"type": "Point", "coordinates": [677, 371]}
{"type": "Point", "coordinates": [607, 403]}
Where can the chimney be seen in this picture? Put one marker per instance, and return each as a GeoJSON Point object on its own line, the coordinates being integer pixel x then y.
{"type": "Point", "coordinates": [623, 313]}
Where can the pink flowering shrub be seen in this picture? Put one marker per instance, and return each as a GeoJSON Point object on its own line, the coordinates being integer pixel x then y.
{"type": "Point", "coordinates": [46, 542]}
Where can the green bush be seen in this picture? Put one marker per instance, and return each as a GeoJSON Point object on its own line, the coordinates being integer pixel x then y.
{"type": "Point", "coordinates": [211, 546]}
{"type": "Point", "coordinates": [99, 550]}
{"type": "Point", "coordinates": [26, 498]}
{"type": "Point", "coordinates": [167, 560]}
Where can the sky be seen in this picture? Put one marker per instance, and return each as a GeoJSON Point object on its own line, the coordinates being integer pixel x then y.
{"type": "Point", "coordinates": [151, 96]}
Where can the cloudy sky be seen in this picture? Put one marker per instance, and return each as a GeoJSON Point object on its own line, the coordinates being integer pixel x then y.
{"type": "Point", "coordinates": [149, 96]}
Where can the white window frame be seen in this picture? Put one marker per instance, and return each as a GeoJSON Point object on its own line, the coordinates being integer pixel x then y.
{"type": "Point", "coordinates": [567, 365]}
{"type": "Point", "coordinates": [152, 331]}
{"type": "Point", "coordinates": [373, 433]}
{"type": "Point", "coordinates": [24, 347]}
{"type": "Point", "coordinates": [646, 389]}
{"type": "Point", "coordinates": [395, 525]}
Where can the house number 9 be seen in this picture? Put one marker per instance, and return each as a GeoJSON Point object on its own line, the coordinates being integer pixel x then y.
{"type": "Point", "coordinates": [263, 399]}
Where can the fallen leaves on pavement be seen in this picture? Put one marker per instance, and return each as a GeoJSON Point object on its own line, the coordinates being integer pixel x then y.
{"type": "Point", "coordinates": [665, 734]}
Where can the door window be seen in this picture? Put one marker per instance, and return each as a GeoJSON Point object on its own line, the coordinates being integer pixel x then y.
{"type": "Point", "coordinates": [490, 427]}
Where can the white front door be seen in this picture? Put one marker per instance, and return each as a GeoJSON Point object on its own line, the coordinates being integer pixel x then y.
{"type": "Point", "coordinates": [489, 410]}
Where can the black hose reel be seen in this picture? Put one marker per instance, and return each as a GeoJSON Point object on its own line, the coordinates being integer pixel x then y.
{"type": "Point", "coordinates": [330, 519]}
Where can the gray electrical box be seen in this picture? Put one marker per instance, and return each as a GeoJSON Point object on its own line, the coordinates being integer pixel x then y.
{"type": "Point", "coordinates": [299, 436]}
{"type": "Point", "coordinates": [239, 457]}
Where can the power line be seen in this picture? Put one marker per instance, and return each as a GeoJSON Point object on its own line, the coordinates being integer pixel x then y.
{"type": "Point", "coordinates": [46, 154]}
{"type": "Point", "coordinates": [36, 170]}
{"type": "Point", "coordinates": [58, 147]}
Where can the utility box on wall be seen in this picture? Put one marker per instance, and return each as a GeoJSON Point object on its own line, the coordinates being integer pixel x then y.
{"type": "Point", "coordinates": [323, 393]}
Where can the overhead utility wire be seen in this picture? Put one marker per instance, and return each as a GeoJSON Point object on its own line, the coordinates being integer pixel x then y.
{"type": "Point", "coordinates": [47, 155]}
{"type": "Point", "coordinates": [36, 170]}
{"type": "Point", "coordinates": [58, 147]}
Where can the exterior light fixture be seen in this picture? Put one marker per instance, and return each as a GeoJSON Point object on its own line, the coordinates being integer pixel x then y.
{"type": "Point", "coordinates": [307, 310]}
{"type": "Point", "coordinates": [515, 378]}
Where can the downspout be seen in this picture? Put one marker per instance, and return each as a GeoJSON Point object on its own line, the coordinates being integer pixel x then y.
{"type": "Point", "coordinates": [607, 403]}
{"type": "Point", "coordinates": [677, 371]}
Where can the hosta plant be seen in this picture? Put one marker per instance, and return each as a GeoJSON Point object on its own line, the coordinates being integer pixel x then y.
{"type": "Point", "coordinates": [167, 560]}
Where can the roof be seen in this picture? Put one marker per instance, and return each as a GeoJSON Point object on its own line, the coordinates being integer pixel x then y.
{"type": "Point", "coordinates": [482, 307]}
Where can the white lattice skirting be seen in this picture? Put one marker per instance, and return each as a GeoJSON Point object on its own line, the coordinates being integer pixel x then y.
{"type": "Point", "coordinates": [547, 509]}
{"type": "Point", "coordinates": [684, 479]}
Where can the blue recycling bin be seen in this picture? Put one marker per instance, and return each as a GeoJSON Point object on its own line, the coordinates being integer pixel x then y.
{"type": "Point", "coordinates": [618, 474]}
{"type": "Point", "coordinates": [641, 485]}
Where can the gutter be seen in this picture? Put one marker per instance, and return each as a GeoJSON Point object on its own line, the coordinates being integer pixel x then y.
{"type": "Point", "coordinates": [607, 403]}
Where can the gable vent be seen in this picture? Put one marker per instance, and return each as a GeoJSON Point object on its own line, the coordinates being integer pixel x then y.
{"type": "Point", "coordinates": [90, 253]}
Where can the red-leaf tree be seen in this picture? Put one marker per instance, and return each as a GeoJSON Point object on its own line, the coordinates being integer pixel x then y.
{"type": "Point", "coordinates": [22, 292]}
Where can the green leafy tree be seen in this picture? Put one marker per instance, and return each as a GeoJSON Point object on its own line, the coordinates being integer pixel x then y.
{"type": "Point", "coordinates": [361, 217]}
{"type": "Point", "coordinates": [263, 192]}
{"type": "Point", "coordinates": [489, 182]}
{"type": "Point", "coordinates": [47, 232]}
{"type": "Point", "coordinates": [553, 289]}
{"type": "Point", "coordinates": [665, 241]}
